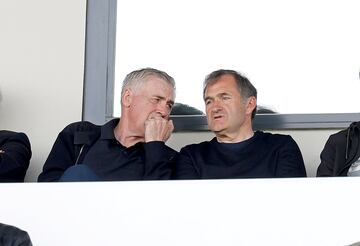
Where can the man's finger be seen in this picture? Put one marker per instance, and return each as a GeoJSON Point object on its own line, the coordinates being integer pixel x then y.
{"type": "Point", "coordinates": [171, 125]}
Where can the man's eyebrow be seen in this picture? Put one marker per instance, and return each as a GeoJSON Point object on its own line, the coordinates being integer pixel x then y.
{"type": "Point", "coordinates": [217, 95]}
{"type": "Point", "coordinates": [223, 94]}
{"type": "Point", "coordinates": [163, 98]}
{"type": "Point", "coordinates": [207, 98]}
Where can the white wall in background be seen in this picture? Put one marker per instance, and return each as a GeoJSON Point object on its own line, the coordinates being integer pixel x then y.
{"type": "Point", "coordinates": [42, 49]}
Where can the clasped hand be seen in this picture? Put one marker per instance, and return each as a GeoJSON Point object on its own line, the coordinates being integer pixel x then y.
{"type": "Point", "coordinates": [158, 128]}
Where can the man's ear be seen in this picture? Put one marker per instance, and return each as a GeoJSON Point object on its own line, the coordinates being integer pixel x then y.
{"type": "Point", "coordinates": [127, 98]}
{"type": "Point", "coordinates": [251, 105]}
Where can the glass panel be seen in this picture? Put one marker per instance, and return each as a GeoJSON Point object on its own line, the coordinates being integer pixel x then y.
{"type": "Point", "coordinates": [303, 56]}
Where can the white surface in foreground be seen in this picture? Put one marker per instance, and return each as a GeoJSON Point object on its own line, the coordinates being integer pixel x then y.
{"type": "Point", "coordinates": [219, 212]}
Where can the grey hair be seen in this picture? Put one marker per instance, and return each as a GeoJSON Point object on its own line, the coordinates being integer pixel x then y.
{"type": "Point", "coordinates": [138, 77]}
{"type": "Point", "coordinates": [245, 88]}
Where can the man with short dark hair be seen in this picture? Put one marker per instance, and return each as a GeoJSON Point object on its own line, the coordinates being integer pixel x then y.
{"type": "Point", "coordinates": [130, 148]}
{"type": "Point", "coordinates": [237, 151]}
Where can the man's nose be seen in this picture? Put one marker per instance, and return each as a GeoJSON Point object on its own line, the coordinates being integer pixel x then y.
{"type": "Point", "coordinates": [216, 105]}
{"type": "Point", "coordinates": [163, 110]}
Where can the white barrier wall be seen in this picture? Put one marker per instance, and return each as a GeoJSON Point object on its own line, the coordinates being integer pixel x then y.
{"type": "Point", "coordinates": [42, 49]}
{"type": "Point", "coordinates": [303, 211]}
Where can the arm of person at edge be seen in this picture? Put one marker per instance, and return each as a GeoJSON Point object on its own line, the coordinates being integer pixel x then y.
{"type": "Point", "coordinates": [159, 158]}
{"type": "Point", "coordinates": [13, 236]}
{"type": "Point", "coordinates": [61, 157]}
{"type": "Point", "coordinates": [15, 156]}
{"type": "Point", "coordinates": [327, 157]}
{"type": "Point", "coordinates": [290, 162]}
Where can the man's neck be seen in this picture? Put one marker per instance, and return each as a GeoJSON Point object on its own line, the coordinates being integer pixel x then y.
{"type": "Point", "coordinates": [125, 136]}
{"type": "Point", "coordinates": [234, 137]}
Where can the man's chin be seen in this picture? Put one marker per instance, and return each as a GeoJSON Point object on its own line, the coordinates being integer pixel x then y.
{"type": "Point", "coordinates": [217, 128]}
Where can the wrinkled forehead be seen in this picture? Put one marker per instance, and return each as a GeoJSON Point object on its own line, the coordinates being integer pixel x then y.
{"type": "Point", "coordinates": [158, 84]}
{"type": "Point", "coordinates": [222, 84]}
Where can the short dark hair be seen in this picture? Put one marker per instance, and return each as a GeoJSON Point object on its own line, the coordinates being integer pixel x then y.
{"type": "Point", "coordinates": [246, 89]}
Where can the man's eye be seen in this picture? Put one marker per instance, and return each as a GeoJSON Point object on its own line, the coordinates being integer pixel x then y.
{"type": "Point", "coordinates": [170, 106]}
{"type": "Point", "coordinates": [155, 100]}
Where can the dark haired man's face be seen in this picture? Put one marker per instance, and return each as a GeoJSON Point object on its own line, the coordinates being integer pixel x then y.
{"type": "Point", "coordinates": [225, 107]}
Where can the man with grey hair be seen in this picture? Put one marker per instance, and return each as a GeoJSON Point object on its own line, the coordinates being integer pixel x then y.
{"type": "Point", "coordinates": [237, 151]}
{"type": "Point", "coordinates": [130, 148]}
